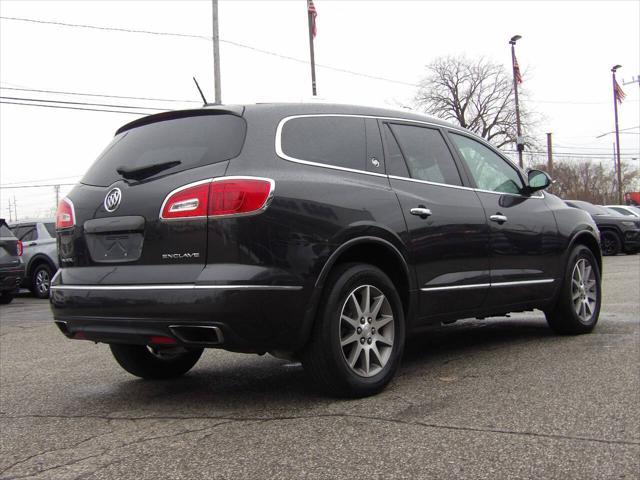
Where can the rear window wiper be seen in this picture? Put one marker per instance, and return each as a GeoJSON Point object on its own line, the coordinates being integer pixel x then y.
{"type": "Point", "coordinates": [145, 171]}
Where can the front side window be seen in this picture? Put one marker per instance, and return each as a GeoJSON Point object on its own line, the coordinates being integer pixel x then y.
{"type": "Point", "coordinates": [489, 171]}
{"type": "Point", "coordinates": [426, 154]}
{"type": "Point", "coordinates": [337, 141]}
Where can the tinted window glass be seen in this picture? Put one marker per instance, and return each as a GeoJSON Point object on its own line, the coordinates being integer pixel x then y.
{"type": "Point", "coordinates": [338, 141]}
{"type": "Point", "coordinates": [193, 141]}
{"type": "Point", "coordinates": [26, 233]}
{"type": "Point", "coordinates": [5, 232]}
{"type": "Point", "coordinates": [395, 160]}
{"type": "Point", "coordinates": [426, 154]}
{"type": "Point", "coordinates": [488, 169]}
{"type": "Point", "coordinates": [51, 228]}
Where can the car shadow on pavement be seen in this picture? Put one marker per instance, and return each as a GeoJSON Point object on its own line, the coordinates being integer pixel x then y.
{"type": "Point", "coordinates": [242, 382]}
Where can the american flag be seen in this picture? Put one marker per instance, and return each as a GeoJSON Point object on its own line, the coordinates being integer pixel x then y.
{"type": "Point", "coordinates": [312, 11]}
{"type": "Point", "coordinates": [619, 93]}
{"type": "Point", "coordinates": [516, 70]}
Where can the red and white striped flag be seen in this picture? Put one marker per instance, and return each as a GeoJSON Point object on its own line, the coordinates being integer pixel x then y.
{"type": "Point", "coordinates": [516, 70]}
{"type": "Point", "coordinates": [311, 8]}
{"type": "Point", "coordinates": [619, 93]}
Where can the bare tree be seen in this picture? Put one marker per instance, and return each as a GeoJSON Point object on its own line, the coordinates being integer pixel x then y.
{"type": "Point", "coordinates": [475, 94]}
{"type": "Point", "coordinates": [589, 181]}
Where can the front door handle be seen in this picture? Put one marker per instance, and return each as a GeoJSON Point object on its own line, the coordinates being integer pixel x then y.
{"type": "Point", "coordinates": [421, 211]}
{"type": "Point", "coordinates": [498, 218]}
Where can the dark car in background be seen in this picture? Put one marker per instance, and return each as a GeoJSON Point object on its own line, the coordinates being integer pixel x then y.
{"type": "Point", "coordinates": [40, 255]}
{"type": "Point", "coordinates": [325, 233]}
{"type": "Point", "coordinates": [619, 233]}
{"type": "Point", "coordinates": [11, 264]}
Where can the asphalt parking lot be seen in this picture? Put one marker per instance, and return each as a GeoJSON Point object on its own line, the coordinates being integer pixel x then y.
{"type": "Point", "coordinates": [499, 398]}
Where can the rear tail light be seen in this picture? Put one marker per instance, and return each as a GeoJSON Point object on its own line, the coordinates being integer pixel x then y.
{"type": "Point", "coordinates": [223, 196]}
{"type": "Point", "coordinates": [66, 215]}
{"type": "Point", "coordinates": [20, 248]}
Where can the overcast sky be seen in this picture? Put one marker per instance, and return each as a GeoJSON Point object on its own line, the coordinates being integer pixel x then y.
{"type": "Point", "coordinates": [566, 53]}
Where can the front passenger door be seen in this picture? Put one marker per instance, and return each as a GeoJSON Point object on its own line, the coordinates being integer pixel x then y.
{"type": "Point", "coordinates": [525, 253]}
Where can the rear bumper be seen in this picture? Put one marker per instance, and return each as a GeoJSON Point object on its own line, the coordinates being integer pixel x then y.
{"type": "Point", "coordinates": [250, 318]}
{"type": "Point", "coordinates": [11, 278]}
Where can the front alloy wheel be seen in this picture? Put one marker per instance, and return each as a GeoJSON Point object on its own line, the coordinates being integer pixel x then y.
{"type": "Point", "coordinates": [583, 290]}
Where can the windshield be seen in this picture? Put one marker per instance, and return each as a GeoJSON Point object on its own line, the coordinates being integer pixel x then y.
{"type": "Point", "coordinates": [181, 143]}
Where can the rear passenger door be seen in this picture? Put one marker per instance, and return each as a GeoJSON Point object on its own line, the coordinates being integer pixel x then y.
{"type": "Point", "coordinates": [447, 230]}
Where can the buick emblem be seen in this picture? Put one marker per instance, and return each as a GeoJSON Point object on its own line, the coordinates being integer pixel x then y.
{"type": "Point", "coordinates": [112, 200]}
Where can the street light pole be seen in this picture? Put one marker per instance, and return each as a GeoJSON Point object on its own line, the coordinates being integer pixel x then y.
{"type": "Point", "coordinates": [216, 52]}
{"type": "Point", "coordinates": [519, 141]}
{"type": "Point", "coordinates": [615, 111]}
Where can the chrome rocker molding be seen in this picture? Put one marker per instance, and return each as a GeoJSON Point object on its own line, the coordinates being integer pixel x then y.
{"type": "Point", "coordinates": [485, 285]}
{"type": "Point", "coordinates": [176, 287]}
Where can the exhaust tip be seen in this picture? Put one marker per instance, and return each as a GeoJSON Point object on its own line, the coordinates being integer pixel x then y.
{"type": "Point", "coordinates": [201, 334]}
{"type": "Point", "coordinates": [62, 325]}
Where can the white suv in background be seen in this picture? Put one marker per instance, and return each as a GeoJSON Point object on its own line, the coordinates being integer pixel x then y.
{"type": "Point", "coordinates": [628, 210]}
{"type": "Point", "coordinates": [40, 255]}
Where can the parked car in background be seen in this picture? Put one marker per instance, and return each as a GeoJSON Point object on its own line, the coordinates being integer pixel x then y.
{"type": "Point", "coordinates": [321, 232]}
{"type": "Point", "coordinates": [40, 253]}
{"type": "Point", "coordinates": [11, 264]}
{"type": "Point", "coordinates": [618, 233]}
{"type": "Point", "coordinates": [626, 210]}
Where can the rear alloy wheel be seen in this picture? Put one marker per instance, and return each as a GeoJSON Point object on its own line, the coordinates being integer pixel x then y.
{"type": "Point", "coordinates": [358, 338]}
{"type": "Point", "coordinates": [155, 363]}
{"type": "Point", "coordinates": [611, 244]}
{"type": "Point", "coordinates": [578, 306]}
{"type": "Point", "coordinates": [41, 281]}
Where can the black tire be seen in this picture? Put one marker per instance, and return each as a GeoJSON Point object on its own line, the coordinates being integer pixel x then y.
{"type": "Point", "coordinates": [139, 360]}
{"type": "Point", "coordinates": [325, 359]}
{"type": "Point", "coordinates": [5, 298]}
{"type": "Point", "coordinates": [611, 243]}
{"type": "Point", "coordinates": [563, 318]}
{"type": "Point", "coordinates": [41, 281]}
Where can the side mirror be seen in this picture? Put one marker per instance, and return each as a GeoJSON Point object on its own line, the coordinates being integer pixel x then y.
{"type": "Point", "coordinates": [537, 180]}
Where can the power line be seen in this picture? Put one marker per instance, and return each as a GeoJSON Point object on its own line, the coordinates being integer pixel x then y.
{"type": "Point", "coordinates": [75, 108]}
{"type": "Point", "coordinates": [66, 102]}
{"type": "Point", "coordinates": [35, 90]}
{"type": "Point", "coordinates": [41, 180]}
{"type": "Point", "coordinates": [39, 186]}
{"type": "Point", "coordinates": [204, 37]}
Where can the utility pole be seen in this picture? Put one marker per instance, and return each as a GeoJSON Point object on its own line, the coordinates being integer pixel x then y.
{"type": "Point", "coordinates": [311, 17]}
{"type": "Point", "coordinates": [10, 212]}
{"type": "Point", "coordinates": [616, 98]}
{"type": "Point", "coordinates": [57, 190]}
{"type": "Point", "coordinates": [549, 154]}
{"type": "Point", "coordinates": [216, 53]}
{"type": "Point", "coordinates": [15, 209]}
{"type": "Point", "coordinates": [517, 78]}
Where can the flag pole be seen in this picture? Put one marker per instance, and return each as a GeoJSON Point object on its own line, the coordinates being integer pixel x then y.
{"type": "Point", "coordinates": [615, 111]}
{"type": "Point", "coordinates": [519, 140]}
{"type": "Point", "coordinates": [311, 19]}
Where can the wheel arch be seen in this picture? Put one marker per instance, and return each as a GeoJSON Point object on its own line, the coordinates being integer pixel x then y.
{"type": "Point", "coordinates": [37, 260]}
{"type": "Point", "coordinates": [589, 240]}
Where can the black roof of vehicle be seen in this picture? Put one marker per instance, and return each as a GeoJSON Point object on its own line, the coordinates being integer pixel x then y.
{"type": "Point", "coordinates": [285, 109]}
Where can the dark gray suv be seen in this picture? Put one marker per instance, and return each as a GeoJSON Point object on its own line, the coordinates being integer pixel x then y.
{"type": "Point", "coordinates": [327, 233]}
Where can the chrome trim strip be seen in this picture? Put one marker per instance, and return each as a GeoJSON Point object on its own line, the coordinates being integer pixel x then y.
{"type": "Point", "coordinates": [523, 282]}
{"type": "Point", "coordinates": [281, 154]}
{"type": "Point", "coordinates": [217, 330]}
{"type": "Point", "coordinates": [456, 287]}
{"type": "Point", "coordinates": [484, 285]}
{"type": "Point", "coordinates": [176, 287]}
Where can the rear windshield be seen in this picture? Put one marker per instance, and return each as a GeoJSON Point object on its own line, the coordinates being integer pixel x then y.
{"type": "Point", "coordinates": [192, 141]}
{"type": "Point", "coordinates": [5, 232]}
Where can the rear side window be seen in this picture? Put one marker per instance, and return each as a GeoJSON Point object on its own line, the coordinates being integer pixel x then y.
{"type": "Point", "coordinates": [192, 141]}
{"type": "Point", "coordinates": [26, 233]}
{"type": "Point", "coordinates": [426, 154]}
{"type": "Point", "coordinates": [337, 141]}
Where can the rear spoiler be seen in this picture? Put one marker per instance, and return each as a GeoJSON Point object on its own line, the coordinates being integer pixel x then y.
{"type": "Point", "coordinates": [237, 110]}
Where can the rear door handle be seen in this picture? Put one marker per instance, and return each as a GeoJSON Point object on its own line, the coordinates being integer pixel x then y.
{"type": "Point", "coordinates": [498, 218]}
{"type": "Point", "coordinates": [422, 212]}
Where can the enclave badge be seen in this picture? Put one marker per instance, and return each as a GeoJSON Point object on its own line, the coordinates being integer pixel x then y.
{"type": "Point", "coordinates": [112, 200]}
